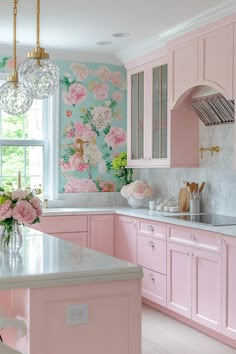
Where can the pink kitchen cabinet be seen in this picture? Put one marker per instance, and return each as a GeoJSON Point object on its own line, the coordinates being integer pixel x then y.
{"type": "Point", "coordinates": [102, 233]}
{"type": "Point", "coordinates": [229, 287]}
{"type": "Point", "coordinates": [194, 275]}
{"type": "Point", "coordinates": [179, 274]}
{"type": "Point", "coordinates": [80, 238]}
{"type": "Point", "coordinates": [147, 142]}
{"type": "Point", "coordinates": [183, 68]}
{"type": "Point", "coordinates": [126, 238]}
{"type": "Point", "coordinates": [206, 59]}
{"type": "Point", "coordinates": [206, 288]}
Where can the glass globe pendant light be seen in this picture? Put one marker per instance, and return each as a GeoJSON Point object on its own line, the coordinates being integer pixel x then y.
{"type": "Point", "coordinates": [14, 99]}
{"type": "Point", "coordinates": [38, 74]}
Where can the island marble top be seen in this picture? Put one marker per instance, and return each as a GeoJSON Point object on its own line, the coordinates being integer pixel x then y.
{"type": "Point", "coordinates": [45, 261]}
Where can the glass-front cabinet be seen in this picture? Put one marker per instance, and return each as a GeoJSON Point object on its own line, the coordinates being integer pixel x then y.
{"type": "Point", "coordinates": [147, 115]}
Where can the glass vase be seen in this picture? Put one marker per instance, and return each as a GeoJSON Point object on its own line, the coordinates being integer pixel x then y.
{"type": "Point", "coordinates": [11, 240]}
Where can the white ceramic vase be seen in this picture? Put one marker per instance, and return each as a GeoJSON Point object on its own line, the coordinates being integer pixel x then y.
{"type": "Point", "coordinates": [136, 203]}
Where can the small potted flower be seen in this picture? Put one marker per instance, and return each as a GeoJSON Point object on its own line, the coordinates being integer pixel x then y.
{"type": "Point", "coordinates": [136, 193]}
{"type": "Point", "coordinates": [17, 207]}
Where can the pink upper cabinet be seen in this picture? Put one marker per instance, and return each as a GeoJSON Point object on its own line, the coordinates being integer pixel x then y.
{"type": "Point", "coordinates": [205, 60]}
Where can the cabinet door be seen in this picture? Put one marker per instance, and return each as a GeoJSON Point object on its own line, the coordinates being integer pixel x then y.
{"type": "Point", "coordinates": [216, 58]}
{"type": "Point", "coordinates": [206, 288]}
{"type": "Point", "coordinates": [158, 128]}
{"type": "Point", "coordinates": [137, 81]}
{"type": "Point", "coordinates": [79, 238]}
{"type": "Point", "coordinates": [179, 264]}
{"type": "Point", "coordinates": [183, 69]}
{"type": "Point", "coordinates": [229, 287]}
{"type": "Point", "coordinates": [126, 238]}
{"type": "Point", "coordinates": [102, 234]}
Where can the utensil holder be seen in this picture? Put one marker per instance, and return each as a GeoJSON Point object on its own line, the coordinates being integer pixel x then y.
{"type": "Point", "coordinates": [194, 206]}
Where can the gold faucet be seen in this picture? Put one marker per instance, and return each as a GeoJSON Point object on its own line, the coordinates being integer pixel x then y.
{"type": "Point", "coordinates": [45, 205]}
{"type": "Point", "coordinates": [212, 149]}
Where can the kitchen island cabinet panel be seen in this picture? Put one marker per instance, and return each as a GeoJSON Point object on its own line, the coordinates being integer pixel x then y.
{"type": "Point", "coordinates": [102, 234]}
{"type": "Point", "coordinates": [229, 287]}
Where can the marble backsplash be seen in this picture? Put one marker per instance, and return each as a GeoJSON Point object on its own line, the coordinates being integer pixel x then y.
{"type": "Point", "coordinates": [217, 171]}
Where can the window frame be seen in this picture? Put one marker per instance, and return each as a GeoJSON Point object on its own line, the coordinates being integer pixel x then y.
{"type": "Point", "coordinates": [49, 144]}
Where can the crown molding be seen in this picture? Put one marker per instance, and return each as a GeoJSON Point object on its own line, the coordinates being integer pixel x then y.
{"type": "Point", "coordinates": [214, 14]}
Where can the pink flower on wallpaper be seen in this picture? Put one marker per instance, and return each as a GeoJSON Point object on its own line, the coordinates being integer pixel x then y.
{"type": "Point", "coordinates": [10, 63]}
{"type": "Point", "coordinates": [107, 186]}
{"type": "Point", "coordinates": [77, 163]}
{"type": "Point", "coordinates": [101, 92]}
{"type": "Point", "coordinates": [83, 185]}
{"type": "Point", "coordinates": [80, 70]}
{"type": "Point", "coordinates": [117, 96]}
{"type": "Point", "coordinates": [68, 113]}
{"type": "Point", "coordinates": [65, 166]}
{"type": "Point", "coordinates": [84, 132]}
{"type": "Point", "coordinates": [103, 73]}
{"type": "Point", "coordinates": [5, 210]}
{"type": "Point", "coordinates": [102, 117]}
{"type": "Point", "coordinates": [70, 134]}
{"type": "Point", "coordinates": [116, 78]}
{"type": "Point", "coordinates": [76, 94]}
{"type": "Point", "coordinates": [116, 137]}
{"type": "Point", "coordinates": [24, 212]}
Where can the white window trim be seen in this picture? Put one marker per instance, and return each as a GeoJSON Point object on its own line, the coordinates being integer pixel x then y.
{"type": "Point", "coordinates": [50, 144]}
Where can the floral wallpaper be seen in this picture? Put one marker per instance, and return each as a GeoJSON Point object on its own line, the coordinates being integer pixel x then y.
{"type": "Point", "coordinates": [92, 125]}
{"type": "Point", "coordinates": [92, 121]}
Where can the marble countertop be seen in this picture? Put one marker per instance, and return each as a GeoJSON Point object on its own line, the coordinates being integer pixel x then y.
{"type": "Point", "coordinates": [143, 213]}
{"type": "Point", "coordinates": [46, 261]}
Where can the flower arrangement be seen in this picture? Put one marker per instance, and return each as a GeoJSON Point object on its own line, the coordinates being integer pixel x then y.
{"type": "Point", "coordinates": [18, 206]}
{"type": "Point", "coordinates": [137, 189]}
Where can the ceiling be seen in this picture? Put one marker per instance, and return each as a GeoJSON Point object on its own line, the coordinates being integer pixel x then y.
{"type": "Point", "coordinates": [73, 27]}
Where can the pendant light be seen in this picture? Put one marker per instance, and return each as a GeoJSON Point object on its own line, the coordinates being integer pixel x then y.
{"type": "Point", "coordinates": [38, 74]}
{"type": "Point", "coordinates": [14, 99]}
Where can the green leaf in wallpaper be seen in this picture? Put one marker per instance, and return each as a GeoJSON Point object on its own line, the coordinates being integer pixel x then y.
{"type": "Point", "coordinates": [3, 62]}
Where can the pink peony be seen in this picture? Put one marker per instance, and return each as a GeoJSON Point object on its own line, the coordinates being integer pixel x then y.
{"type": "Point", "coordinates": [84, 132]}
{"type": "Point", "coordinates": [107, 186]}
{"type": "Point", "coordinates": [19, 194]}
{"type": "Point", "coordinates": [65, 166]}
{"type": "Point", "coordinates": [80, 70]}
{"type": "Point", "coordinates": [117, 96]}
{"type": "Point", "coordinates": [76, 94]}
{"type": "Point", "coordinates": [5, 210]}
{"type": "Point", "coordinates": [101, 92]}
{"type": "Point", "coordinates": [116, 137]}
{"type": "Point", "coordinates": [77, 163]}
{"type": "Point", "coordinates": [37, 205]}
{"type": "Point", "coordinates": [68, 113]}
{"type": "Point", "coordinates": [24, 212]}
{"type": "Point", "coordinates": [103, 73]}
{"type": "Point", "coordinates": [116, 78]}
{"type": "Point", "coordinates": [83, 185]}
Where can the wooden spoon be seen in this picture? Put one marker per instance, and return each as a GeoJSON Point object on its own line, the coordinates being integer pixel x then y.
{"type": "Point", "coordinates": [202, 187]}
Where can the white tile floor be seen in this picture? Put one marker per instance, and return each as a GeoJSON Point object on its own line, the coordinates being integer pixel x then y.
{"type": "Point", "coordinates": [164, 335]}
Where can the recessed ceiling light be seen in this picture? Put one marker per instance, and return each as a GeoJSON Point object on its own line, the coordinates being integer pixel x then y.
{"type": "Point", "coordinates": [104, 43]}
{"type": "Point", "coordinates": [121, 35]}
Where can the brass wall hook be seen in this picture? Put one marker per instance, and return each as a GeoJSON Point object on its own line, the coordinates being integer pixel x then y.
{"type": "Point", "coordinates": [212, 149]}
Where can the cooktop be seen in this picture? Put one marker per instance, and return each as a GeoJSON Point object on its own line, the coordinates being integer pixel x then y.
{"type": "Point", "coordinates": [212, 219]}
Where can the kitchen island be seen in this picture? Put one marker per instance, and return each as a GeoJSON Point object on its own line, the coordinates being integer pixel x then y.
{"type": "Point", "coordinates": [72, 299]}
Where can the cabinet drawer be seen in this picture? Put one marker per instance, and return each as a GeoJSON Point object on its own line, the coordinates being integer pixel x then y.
{"type": "Point", "coordinates": [154, 286]}
{"type": "Point", "coordinates": [68, 223]}
{"type": "Point", "coordinates": [211, 241]}
{"type": "Point", "coordinates": [151, 253]}
{"type": "Point", "coordinates": [152, 228]}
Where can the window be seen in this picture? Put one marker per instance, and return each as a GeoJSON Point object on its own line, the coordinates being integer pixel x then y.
{"type": "Point", "coordinates": [25, 146]}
